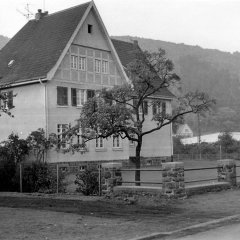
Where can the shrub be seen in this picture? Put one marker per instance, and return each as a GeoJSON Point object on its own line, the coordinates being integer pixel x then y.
{"type": "Point", "coordinates": [40, 177]}
{"type": "Point", "coordinates": [87, 181]}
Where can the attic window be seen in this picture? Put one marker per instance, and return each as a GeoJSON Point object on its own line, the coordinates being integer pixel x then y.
{"type": "Point", "coordinates": [89, 28]}
{"type": "Point", "coordinates": [11, 63]}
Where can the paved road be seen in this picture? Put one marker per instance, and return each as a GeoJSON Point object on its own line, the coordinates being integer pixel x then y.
{"type": "Point", "coordinates": [229, 232]}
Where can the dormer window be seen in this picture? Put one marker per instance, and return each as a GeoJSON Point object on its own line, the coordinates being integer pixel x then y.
{"type": "Point", "coordinates": [11, 63]}
{"type": "Point", "coordinates": [90, 28]}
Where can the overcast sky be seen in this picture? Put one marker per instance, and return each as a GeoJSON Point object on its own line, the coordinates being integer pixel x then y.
{"type": "Point", "coordinates": [207, 23]}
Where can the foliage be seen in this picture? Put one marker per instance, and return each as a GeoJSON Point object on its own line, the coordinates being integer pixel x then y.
{"type": "Point", "coordinates": [39, 144]}
{"type": "Point", "coordinates": [87, 181]}
{"type": "Point", "coordinates": [17, 148]}
{"type": "Point", "coordinates": [41, 177]}
{"type": "Point", "coordinates": [7, 171]}
{"type": "Point", "coordinates": [228, 144]}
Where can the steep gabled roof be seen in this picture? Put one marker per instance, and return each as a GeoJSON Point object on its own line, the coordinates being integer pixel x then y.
{"type": "Point", "coordinates": [127, 52]}
{"type": "Point", "coordinates": [37, 47]}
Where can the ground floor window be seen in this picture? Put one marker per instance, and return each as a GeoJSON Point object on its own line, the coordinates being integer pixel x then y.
{"type": "Point", "coordinates": [61, 129]}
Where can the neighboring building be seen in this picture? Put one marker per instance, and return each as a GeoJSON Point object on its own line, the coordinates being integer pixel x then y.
{"type": "Point", "coordinates": [53, 65]}
{"type": "Point", "coordinates": [184, 131]}
{"type": "Point", "coordinates": [209, 138]}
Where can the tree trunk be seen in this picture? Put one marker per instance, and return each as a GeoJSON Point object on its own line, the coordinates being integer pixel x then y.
{"type": "Point", "coordinates": [138, 163]}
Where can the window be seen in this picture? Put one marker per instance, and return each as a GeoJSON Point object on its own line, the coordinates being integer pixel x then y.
{"type": "Point", "coordinates": [131, 143]}
{"type": "Point", "coordinates": [7, 103]}
{"type": "Point", "coordinates": [62, 96]}
{"type": "Point", "coordinates": [99, 142]}
{"type": "Point", "coordinates": [90, 93]}
{"type": "Point", "coordinates": [74, 61]}
{"type": "Point", "coordinates": [159, 108]}
{"type": "Point", "coordinates": [97, 65]}
{"type": "Point", "coordinates": [61, 129]}
{"type": "Point", "coordinates": [82, 63]}
{"type": "Point", "coordinates": [90, 28]}
{"type": "Point", "coordinates": [104, 66]}
{"type": "Point", "coordinates": [117, 142]}
{"type": "Point", "coordinates": [80, 97]}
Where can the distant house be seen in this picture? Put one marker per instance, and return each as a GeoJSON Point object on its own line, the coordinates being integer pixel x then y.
{"type": "Point", "coordinates": [53, 65]}
{"type": "Point", "coordinates": [184, 131]}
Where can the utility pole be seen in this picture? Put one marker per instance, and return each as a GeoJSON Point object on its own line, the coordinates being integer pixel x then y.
{"type": "Point", "coordinates": [199, 136]}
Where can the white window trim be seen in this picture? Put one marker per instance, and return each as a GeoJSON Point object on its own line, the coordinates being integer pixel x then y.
{"type": "Point", "coordinates": [97, 143]}
{"type": "Point", "coordinates": [74, 61]}
{"type": "Point", "coordinates": [59, 134]}
{"type": "Point", "coordinates": [105, 68]}
{"type": "Point", "coordinates": [82, 63]}
{"type": "Point", "coordinates": [81, 99]}
{"type": "Point", "coordinates": [117, 144]}
{"type": "Point", "coordinates": [95, 65]}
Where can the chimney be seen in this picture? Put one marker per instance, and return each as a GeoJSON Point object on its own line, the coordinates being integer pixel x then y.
{"type": "Point", "coordinates": [135, 42]}
{"type": "Point", "coordinates": [39, 15]}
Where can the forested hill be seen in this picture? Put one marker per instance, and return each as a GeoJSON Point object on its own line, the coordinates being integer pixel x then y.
{"type": "Point", "coordinates": [213, 71]}
{"type": "Point", "coordinates": [3, 41]}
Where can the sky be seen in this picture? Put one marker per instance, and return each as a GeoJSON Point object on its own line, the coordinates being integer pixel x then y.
{"type": "Point", "coordinates": [211, 24]}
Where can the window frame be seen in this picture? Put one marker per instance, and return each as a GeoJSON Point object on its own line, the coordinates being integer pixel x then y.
{"type": "Point", "coordinates": [99, 143]}
{"type": "Point", "coordinates": [74, 62]}
{"type": "Point", "coordinates": [82, 63]}
{"type": "Point", "coordinates": [117, 142]}
{"type": "Point", "coordinates": [61, 128]}
{"type": "Point", "coordinates": [105, 67]}
{"type": "Point", "coordinates": [97, 65]}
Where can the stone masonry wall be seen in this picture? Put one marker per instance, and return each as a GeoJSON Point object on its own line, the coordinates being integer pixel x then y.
{"type": "Point", "coordinates": [173, 179]}
{"type": "Point", "coordinates": [227, 171]}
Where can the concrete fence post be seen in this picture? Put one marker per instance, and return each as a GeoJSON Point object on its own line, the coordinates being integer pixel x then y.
{"type": "Point", "coordinates": [173, 179]}
{"type": "Point", "coordinates": [227, 171]}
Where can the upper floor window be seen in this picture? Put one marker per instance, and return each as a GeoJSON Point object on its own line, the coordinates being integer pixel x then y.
{"type": "Point", "coordinates": [62, 96]}
{"type": "Point", "coordinates": [104, 66]}
{"type": "Point", "coordinates": [90, 27]}
{"type": "Point", "coordinates": [99, 142]}
{"type": "Point", "coordinates": [97, 65]}
{"type": "Point", "coordinates": [80, 96]}
{"type": "Point", "coordinates": [159, 108]}
{"type": "Point", "coordinates": [61, 129]}
{"type": "Point", "coordinates": [82, 63]}
{"type": "Point", "coordinates": [74, 61]}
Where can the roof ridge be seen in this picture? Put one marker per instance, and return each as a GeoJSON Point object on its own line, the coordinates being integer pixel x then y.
{"type": "Point", "coordinates": [67, 9]}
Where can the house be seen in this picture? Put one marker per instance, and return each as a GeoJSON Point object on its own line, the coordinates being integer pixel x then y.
{"type": "Point", "coordinates": [53, 65]}
{"type": "Point", "coordinates": [184, 131]}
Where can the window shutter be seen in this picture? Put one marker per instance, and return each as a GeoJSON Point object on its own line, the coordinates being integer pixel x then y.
{"type": "Point", "coordinates": [154, 109]}
{"type": "Point", "coordinates": [62, 96]}
{"type": "Point", "coordinates": [74, 96]}
{"type": "Point", "coordinates": [163, 108]}
{"type": "Point", "coordinates": [90, 93]}
{"type": "Point", "coordinates": [145, 107]}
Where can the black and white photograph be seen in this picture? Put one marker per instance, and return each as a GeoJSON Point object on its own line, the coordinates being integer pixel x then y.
{"type": "Point", "coordinates": [119, 119]}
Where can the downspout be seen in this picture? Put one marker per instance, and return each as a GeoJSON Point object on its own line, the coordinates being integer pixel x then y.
{"type": "Point", "coordinates": [46, 114]}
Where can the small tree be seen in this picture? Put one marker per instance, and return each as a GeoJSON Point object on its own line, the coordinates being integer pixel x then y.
{"type": "Point", "coordinates": [120, 111]}
{"type": "Point", "coordinates": [6, 103]}
{"type": "Point", "coordinates": [39, 144]}
{"type": "Point", "coordinates": [17, 148]}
